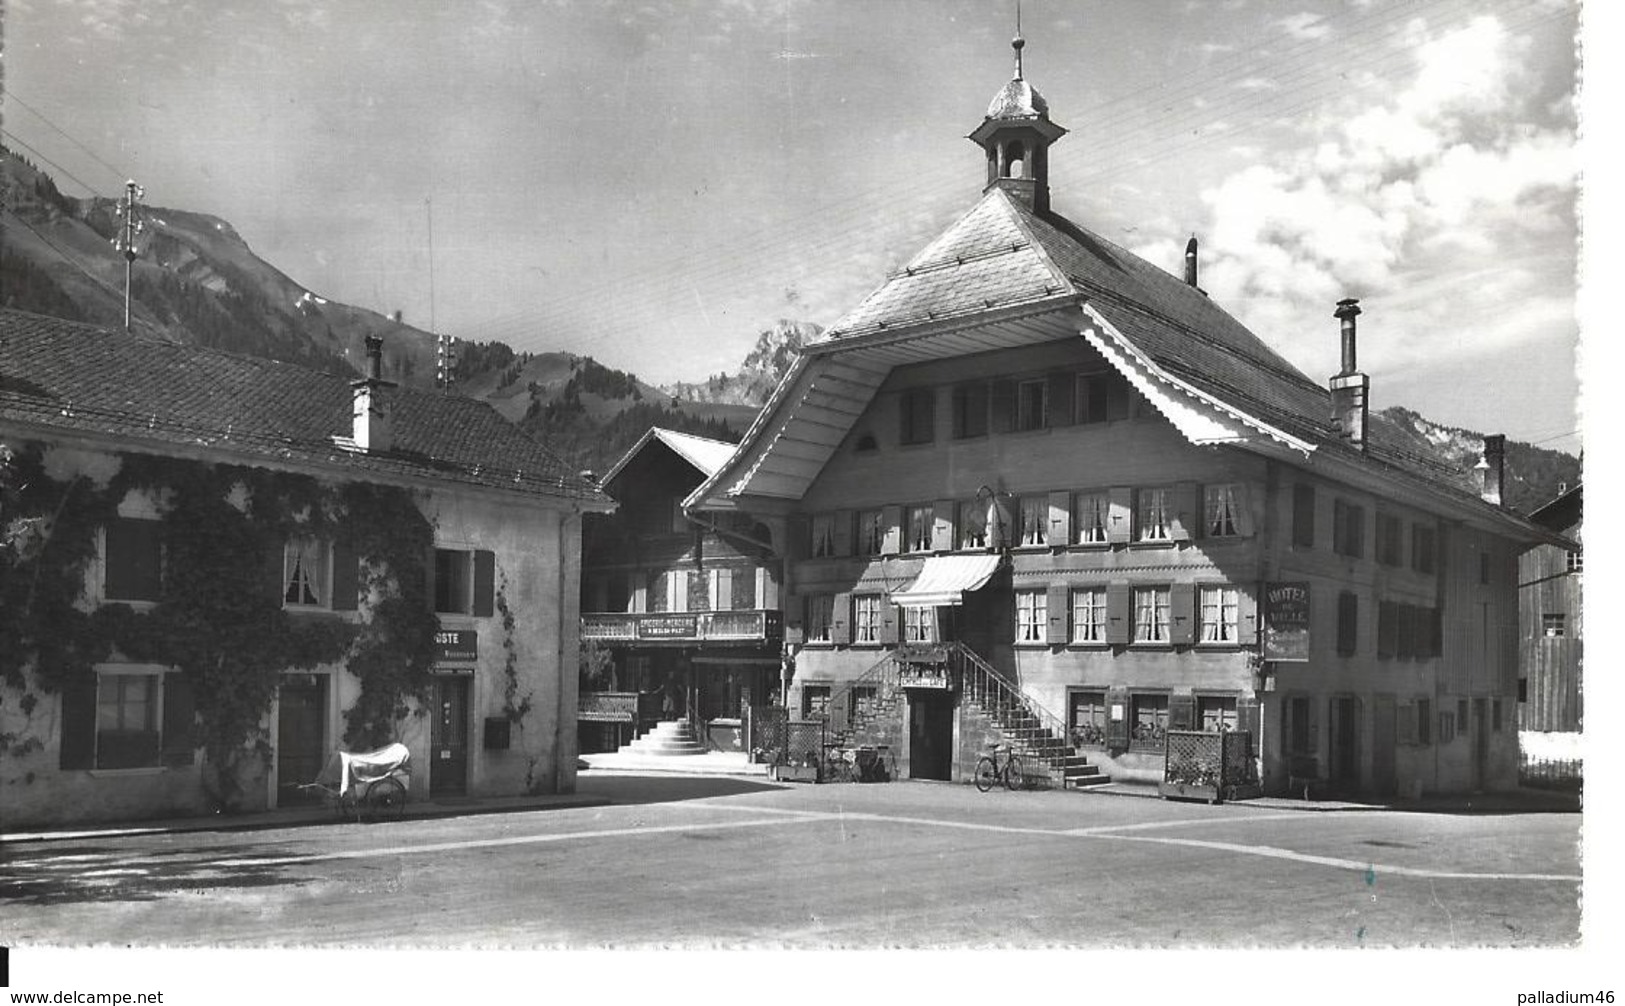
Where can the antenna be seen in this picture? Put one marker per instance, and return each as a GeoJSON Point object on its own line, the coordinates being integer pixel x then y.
{"type": "Point", "coordinates": [130, 209]}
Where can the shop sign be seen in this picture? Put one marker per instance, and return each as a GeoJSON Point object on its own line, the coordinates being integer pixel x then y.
{"type": "Point", "coordinates": [456, 644]}
{"type": "Point", "coordinates": [669, 627]}
{"type": "Point", "coordinates": [1286, 621]}
{"type": "Point", "coordinates": [923, 675]}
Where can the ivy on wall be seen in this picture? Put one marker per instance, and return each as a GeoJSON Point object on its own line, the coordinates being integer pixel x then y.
{"type": "Point", "coordinates": [219, 617]}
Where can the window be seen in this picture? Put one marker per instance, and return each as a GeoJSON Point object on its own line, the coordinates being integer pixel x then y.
{"type": "Point", "coordinates": [1216, 712]}
{"type": "Point", "coordinates": [1348, 529]}
{"type": "Point", "coordinates": [1102, 397]}
{"type": "Point", "coordinates": [1300, 738]}
{"type": "Point", "coordinates": [814, 702]}
{"type": "Point", "coordinates": [134, 566]}
{"type": "Point", "coordinates": [1424, 548]}
{"type": "Point", "coordinates": [1032, 620]}
{"type": "Point", "coordinates": [1387, 628]}
{"type": "Point", "coordinates": [864, 698]}
{"type": "Point", "coordinates": [866, 618]}
{"type": "Point", "coordinates": [973, 524]}
{"type": "Point", "coordinates": [1089, 615]}
{"type": "Point", "coordinates": [920, 625]}
{"type": "Point", "coordinates": [1575, 560]}
{"type": "Point", "coordinates": [1088, 718]}
{"type": "Point", "coordinates": [1348, 623]}
{"type": "Point", "coordinates": [1390, 546]}
{"type": "Point", "coordinates": [1303, 516]}
{"type": "Point", "coordinates": [1424, 722]}
{"type": "Point", "coordinates": [1219, 511]}
{"type": "Point", "coordinates": [1152, 516]}
{"type": "Point", "coordinates": [306, 574]}
{"type": "Point", "coordinates": [1090, 512]}
{"type": "Point", "coordinates": [823, 535]}
{"type": "Point", "coordinates": [127, 734]}
{"type": "Point", "coordinates": [820, 616]}
{"type": "Point", "coordinates": [1552, 625]}
{"type": "Point", "coordinates": [1220, 615]}
{"type": "Point", "coordinates": [970, 411]}
{"type": "Point", "coordinates": [1447, 729]}
{"type": "Point", "coordinates": [1151, 614]}
{"type": "Point", "coordinates": [465, 581]}
{"type": "Point", "coordinates": [920, 521]}
{"type": "Point", "coordinates": [1032, 404]}
{"type": "Point", "coordinates": [919, 415]}
{"type": "Point", "coordinates": [1034, 520]}
{"type": "Point", "coordinates": [1148, 719]}
{"type": "Point", "coordinates": [1461, 714]}
{"type": "Point", "coordinates": [871, 532]}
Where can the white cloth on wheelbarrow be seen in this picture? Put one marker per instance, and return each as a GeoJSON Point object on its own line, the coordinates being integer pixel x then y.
{"type": "Point", "coordinates": [348, 769]}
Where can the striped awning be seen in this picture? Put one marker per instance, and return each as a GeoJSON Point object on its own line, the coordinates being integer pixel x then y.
{"type": "Point", "coordinates": [944, 580]}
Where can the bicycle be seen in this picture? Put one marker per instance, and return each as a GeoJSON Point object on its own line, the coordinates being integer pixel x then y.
{"type": "Point", "coordinates": [989, 773]}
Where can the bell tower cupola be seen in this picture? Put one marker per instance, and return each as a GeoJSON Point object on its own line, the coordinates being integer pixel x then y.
{"type": "Point", "coordinates": [1017, 133]}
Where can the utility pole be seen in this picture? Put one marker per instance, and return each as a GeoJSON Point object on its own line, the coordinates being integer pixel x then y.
{"type": "Point", "coordinates": [130, 209]}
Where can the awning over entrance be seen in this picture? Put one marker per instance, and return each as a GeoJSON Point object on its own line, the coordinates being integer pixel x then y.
{"type": "Point", "coordinates": [945, 578]}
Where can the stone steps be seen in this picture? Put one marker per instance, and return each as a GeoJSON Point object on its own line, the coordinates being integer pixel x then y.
{"type": "Point", "coordinates": [667, 739]}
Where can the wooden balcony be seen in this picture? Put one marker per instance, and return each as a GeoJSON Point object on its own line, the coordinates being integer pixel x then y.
{"type": "Point", "coordinates": [685, 627]}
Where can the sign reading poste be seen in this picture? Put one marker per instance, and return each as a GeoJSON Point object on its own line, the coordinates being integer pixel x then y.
{"type": "Point", "coordinates": [1286, 621]}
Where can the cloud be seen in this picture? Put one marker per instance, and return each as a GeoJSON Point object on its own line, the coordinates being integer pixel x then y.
{"type": "Point", "coordinates": [1305, 26]}
{"type": "Point", "coordinates": [1446, 185]}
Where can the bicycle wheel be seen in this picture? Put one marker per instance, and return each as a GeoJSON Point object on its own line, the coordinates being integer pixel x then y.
{"type": "Point", "coordinates": [386, 799]}
{"type": "Point", "coordinates": [1013, 775]}
{"type": "Point", "coordinates": [987, 773]}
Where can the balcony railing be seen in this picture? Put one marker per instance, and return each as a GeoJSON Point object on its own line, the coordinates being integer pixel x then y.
{"type": "Point", "coordinates": [754, 626]}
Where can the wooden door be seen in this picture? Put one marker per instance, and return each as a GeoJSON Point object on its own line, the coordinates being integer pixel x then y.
{"type": "Point", "coordinates": [1384, 733]}
{"type": "Point", "coordinates": [1344, 773]}
{"type": "Point", "coordinates": [448, 738]}
{"type": "Point", "coordinates": [930, 736]}
{"type": "Point", "coordinates": [1481, 743]}
{"type": "Point", "coordinates": [301, 736]}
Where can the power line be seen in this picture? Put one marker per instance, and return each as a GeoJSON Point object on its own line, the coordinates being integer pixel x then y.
{"type": "Point", "coordinates": [120, 175]}
{"type": "Point", "coordinates": [13, 137]}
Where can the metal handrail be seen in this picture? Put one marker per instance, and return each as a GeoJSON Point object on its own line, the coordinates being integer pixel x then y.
{"type": "Point", "coordinates": [983, 682]}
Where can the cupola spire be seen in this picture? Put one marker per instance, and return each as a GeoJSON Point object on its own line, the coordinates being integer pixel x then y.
{"type": "Point", "coordinates": [1016, 133]}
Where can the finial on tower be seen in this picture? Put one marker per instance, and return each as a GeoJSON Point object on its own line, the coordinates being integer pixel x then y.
{"type": "Point", "coordinates": [1018, 42]}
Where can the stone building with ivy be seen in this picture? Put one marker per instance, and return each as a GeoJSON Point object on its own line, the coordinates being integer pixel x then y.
{"type": "Point", "coordinates": [218, 569]}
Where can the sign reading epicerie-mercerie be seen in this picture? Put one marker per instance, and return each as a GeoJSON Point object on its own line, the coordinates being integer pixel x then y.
{"type": "Point", "coordinates": [1286, 621]}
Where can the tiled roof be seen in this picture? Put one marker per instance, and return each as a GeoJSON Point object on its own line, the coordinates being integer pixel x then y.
{"type": "Point", "coordinates": [83, 379]}
{"type": "Point", "coordinates": [1003, 253]}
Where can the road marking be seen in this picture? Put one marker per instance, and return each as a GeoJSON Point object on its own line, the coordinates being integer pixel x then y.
{"type": "Point", "coordinates": [1272, 852]}
{"type": "Point", "coordinates": [489, 843]}
{"type": "Point", "coordinates": [1104, 829]}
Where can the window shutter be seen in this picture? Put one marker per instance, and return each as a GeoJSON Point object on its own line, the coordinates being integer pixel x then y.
{"type": "Point", "coordinates": [1405, 646]}
{"type": "Point", "coordinates": [1244, 510]}
{"type": "Point", "coordinates": [1060, 518]}
{"type": "Point", "coordinates": [840, 621]}
{"type": "Point", "coordinates": [1387, 629]}
{"type": "Point", "coordinates": [1118, 623]}
{"type": "Point", "coordinates": [1182, 614]}
{"type": "Point", "coordinates": [1117, 717]}
{"type": "Point", "coordinates": [485, 569]}
{"type": "Point", "coordinates": [1058, 607]}
{"type": "Point", "coordinates": [78, 745]}
{"type": "Point", "coordinates": [891, 519]}
{"type": "Point", "coordinates": [888, 622]}
{"type": "Point", "coordinates": [274, 571]}
{"type": "Point", "coordinates": [428, 575]}
{"type": "Point", "coordinates": [1348, 622]}
{"type": "Point", "coordinates": [795, 611]}
{"type": "Point", "coordinates": [1061, 386]}
{"type": "Point", "coordinates": [1004, 406]}
{"type": "Point", "coordinates": [134, 560]}
{"type": "Point", "coordinates": [1182, 712]}
{"type": "Point", "coordinates": [346, 577]}
{"type": "Point", "coordinates": [1303, 516]}
{"type": "Point", "coordinates": [179, 742]}
{"type": "Point", "coordinates": [843, 532]}
{"type": "Point", "coordinates": [1185, 512]}
{"type": "Point", "coordinates": [1120, 515]}
{"type": "Point", "coordinates": [942, 526]}
{"type": "Point", "coordinates": [722, 589]}
{"type": "Point", "coordinates": [1247, 614]}
{"type": "Point", "coordinates": [676, 590]}
{"type": "Point", "coordinates": [1314, 728]}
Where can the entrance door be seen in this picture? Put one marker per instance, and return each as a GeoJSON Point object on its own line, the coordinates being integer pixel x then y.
{"type": "Point", "coordinates": [1344, 773]}
{"type": "Point", "coordinates": [1481, 743]}
{"type": "Point", "coordinates": [448, 738]}
{"type": "Point", "coordinates": [930, 736]}
{"type": "Point", "coordinates": [1383, 735]}
{"type": "Point", "coordinates": [301, 736]}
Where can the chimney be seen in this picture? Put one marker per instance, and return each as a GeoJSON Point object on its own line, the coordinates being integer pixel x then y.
{"type": "Point", "coordinates": [1492, 469]}
{"type": "Point", "coordinates": [1190, 261]}
{"type": "Point", "coordinates": [1351, 389]}
{"type": "Point", "coordinates": [370, 410]}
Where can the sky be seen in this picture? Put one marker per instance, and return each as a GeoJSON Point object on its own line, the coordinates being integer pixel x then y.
{"type": "Point", "coordinates": [654, 183]}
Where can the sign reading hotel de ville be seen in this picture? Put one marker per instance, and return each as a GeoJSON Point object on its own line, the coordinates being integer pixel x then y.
{"type": "Point", "coordinates": [1286, 621]}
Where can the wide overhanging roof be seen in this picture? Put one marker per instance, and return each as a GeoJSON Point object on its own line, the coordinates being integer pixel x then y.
{"type": "Point", "coordinates": [945, 578]}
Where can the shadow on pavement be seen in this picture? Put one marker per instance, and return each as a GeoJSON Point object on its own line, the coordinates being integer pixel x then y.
{"type": "Point", "coordinates": [89, 874]}
{"type": "Point", "coordinates": [635, 789]}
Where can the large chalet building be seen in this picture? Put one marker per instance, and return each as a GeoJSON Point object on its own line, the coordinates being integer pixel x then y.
{"type": "Point", "coordinates": [1035, 483]}
{"type": "Point", "coordinates": [219, 569]}
{"type": "Point", "coordinates": [1552, 641]}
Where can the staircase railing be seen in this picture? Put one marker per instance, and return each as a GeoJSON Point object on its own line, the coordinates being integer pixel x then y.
{"type": "Point", "coordinates": [882, 677]}
{"type": "Point", "coordinates": [1045, 738]}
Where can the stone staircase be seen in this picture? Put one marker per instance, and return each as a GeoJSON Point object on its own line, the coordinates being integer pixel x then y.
{"type": "Point", "coordinates": [1034, 740]}
{"type": "Point", "coordinates": [666, 739]}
